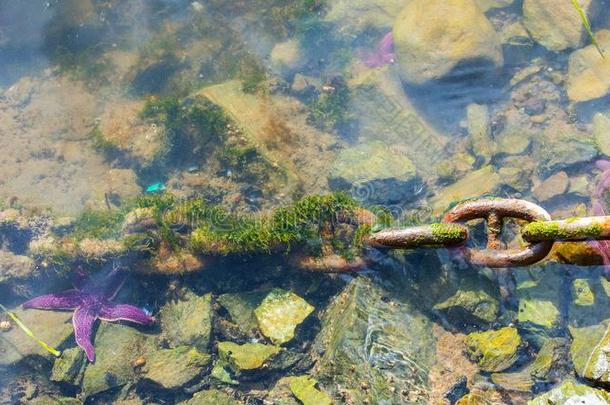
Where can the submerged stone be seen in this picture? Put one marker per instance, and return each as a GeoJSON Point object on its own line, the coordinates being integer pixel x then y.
{"type": "Point", "coordinates": [479, 131]}
{"type": "Point", "coordinates": [432, 37]}
{"type": "Point", "coordinates": [385, 344]}
{"type": "Point", "coordinates": [14, 267]}
{"type": "Point", "coordinates": [570, 392]}
{"type": "Point", "coordinates": [375, 173]}
{"type": "Point", "coordinates": [246, 357]}
{"type": "Point", "coordinates": [211, 397]}
{"type": "Point", "coordinates": [280, 313]}
{"type": "Point", "coordinates": [352, 17]}
{"type": "Point", "coordinates": [220, 373]}
{"type": "Point", "coordinates": [493, 350]}
{"type": "Point", "coordinates": [553, 186]}
{"type": "Point", "coordinates": [582, 293]}
{"type": "Point", "coordinates": [470, 305]}
{"type": "Point", "coordinates": [116, 348]}
{"type": "Point", "coordinates": [188, 322]}
{"type": "Point", "coordinates": [54, 400]}
{"type": "Point", "coordinates": [69, 367]}
{"type": "Point", "coordinates": [589, 352]}
{"type": "Point", "coordinates": [240, 307]}
{"type": "Point", "coordinates": [589, 72]}
{"type": "Point", "coordinates": [601, 131]}
{"type": "Point", "coordinates": [52, 327]}
{"type": "Point", "coordinates": [554, 25]}
{"type": "Point", "coordinates": [304, 388]}
{"type": "Point", "coordinates": [562, 146]}
{"type": "Point", "coordinates": [173, 368]}
{"type": "Point", "coordinates": [538, 292]}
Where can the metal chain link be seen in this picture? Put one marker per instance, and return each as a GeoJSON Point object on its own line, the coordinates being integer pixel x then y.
{"type": "Point", "coordinates": [540, 232]}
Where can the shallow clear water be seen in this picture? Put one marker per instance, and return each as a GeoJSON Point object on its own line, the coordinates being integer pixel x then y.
{"type": "Point", "coordinates": [162, 137]}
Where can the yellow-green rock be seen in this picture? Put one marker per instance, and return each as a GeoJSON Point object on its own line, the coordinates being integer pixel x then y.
{"type": "Point", "coordinates": [304, 388]}
{"type": "Point", "coordinates": [211, 397]}
{"type": "Point", "coordinates": [569, 393]}
{"type": "Point", "coordinates": [249, 356]}
{"type": "Point", "coordinates": [588, 72]}
{"type": "Point", "coordinates": [173, 368]}
{"type": "Point", "coordinates": [538, 294]}
{"type": "Point", "coordinates": [582, 293]}
{"type": "Point", "coordinates": [493, 350]}
{"type": "Point", "coordinates": [601, 131]}
{"type": "Point", "coordinates": [470, 306]}
{"type": "Point", "coordinates": [280, 313]}
{"type": "Point", "coordinates": [431, 37]}
{"type": "Point", "coordinates": [589, 352]}
{"type": "Point", "coordinates": [556, 25]}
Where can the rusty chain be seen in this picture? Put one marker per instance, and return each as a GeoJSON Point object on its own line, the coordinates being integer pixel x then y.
{"type": "Point", "coordinates": [539, 234]}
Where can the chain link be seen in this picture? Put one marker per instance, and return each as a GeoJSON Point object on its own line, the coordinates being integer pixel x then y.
{"type": "Point", "coordinates": [539, 233]}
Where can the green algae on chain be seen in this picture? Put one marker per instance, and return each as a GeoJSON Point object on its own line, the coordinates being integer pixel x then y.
{"type": "Point", "coordinates": [447, 233]}
{"type": "Point", "coordinates": [568, 229]}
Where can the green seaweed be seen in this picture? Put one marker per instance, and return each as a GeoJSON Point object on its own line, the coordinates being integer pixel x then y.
{"type": "Point", "coordinates": [331, 109]}
{"type": "Point", "coordinates": [587, 25]}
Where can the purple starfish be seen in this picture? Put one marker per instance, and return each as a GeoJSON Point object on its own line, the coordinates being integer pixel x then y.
{"type": "Point", "coordinates": [90, 300]}
{"type": "Point", "coordinates": [383, 54]}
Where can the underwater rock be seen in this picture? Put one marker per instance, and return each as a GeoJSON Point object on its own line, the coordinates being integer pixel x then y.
{"type": "Point", "coordinates": [188, 321]}
{"type": "Point", "coordinates": [582, 293]}
{"type": "Point", "coordinates": [52, 327]}
{"type": "Point", "coordinates": [375, 173]}
{"type": "Point", "coordinates": [562, 146]}
{"type": "Point", "coordinates": [554, 25]}
{"type": "Point", "coordinates": [513, 140]}
{"type": "Point", "coordinates": [518, 381]}
{"type": "Point", "coordinates": [173, 368]}
{"type": "Point", "coordinates": [486, 5]}
{"type": "Point", "coordinates": [434, 37]}
{"type": "Point", "coordinates": [246, 357]}
{"type": "Point", "coordinates": [589, 72]}
{"type": "Point", "coordinates": [286, 57]}
{"type": "Point", "coordinates": [552, 186]}
{"type": "Point", "coordinates": [538, 291]}
{"type": "Point", "coordinates": [69, 367]}
{"type": "Point", "coordinates": [493, 350]}
{"type": "Point", "coordinates": [99, 249]}
{"type": "Point", "coordinates": [280, 313]}
{"type": "Point", "coordinates": [570, 392]}
{"type": "Point", "coordinates": [479, 131]}
{"type": "Point", "coordinates": [351, 17]}
{"type": "Point", "coordinates": [386, 113]}
{"type": "Point", "coordinates": [590, 300]}
{"type": "Point", "coordinates": [240, 307]}
{"type": "Point", "coordinates": [176, 262]}
{"type": "Point", "coordinates": [470, 306]}
{"type": "Point", "coordinates": [589, 352]}
{"type": "Point", "coordinates": [385, 344]}
{"type": "Point", "coordinates": [474, 184]}
{"type": "Point", "coordinates": [53, 400]}
{"type": "Point", "coordinates": [220, 373]}
{"type": "Point", "coordinates": [211, 397]}
{"type": "Point", "coordinates": [116, 349]}
{"type": "Point", "coordinates": [304, 388]}
{"type": "Point", "coordinates": [601, 131]}
{"type": "Point", "coordinates": [14, 267]}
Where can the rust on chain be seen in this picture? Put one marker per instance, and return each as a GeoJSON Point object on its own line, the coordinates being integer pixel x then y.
{"type": "Point", "coordinates": [438, 235]}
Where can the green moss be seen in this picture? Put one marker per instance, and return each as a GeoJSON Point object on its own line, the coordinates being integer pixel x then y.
{"type": "Point", "coordinates": [98, 224]}
{"type": "Point", "coordinates": [448, 232]}
{"type": "Point", "coordinates": [553, 230]}
{"type": "Point", "coordinates": [253, 76]}
{"type": "Point", "coordinates": [330, 110]}
{"type": "Point", "coordinates": [108, 149]}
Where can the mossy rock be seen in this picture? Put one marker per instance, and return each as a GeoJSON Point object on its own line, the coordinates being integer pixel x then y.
{"type": "Point", "coordinates": [470, 306]}
{"type": "Point", "coordinates": [304, 388]}
{"type": "Point", "coordinates": [570, 392]}
{"type": "Point", "coordinates": [173, 368]}
{"type": "Point", "coordinates": [538, 291]}
{"type": "Point", "coordinates": [69, 367]}
{"type": "Point", "coordinates": [117, 346]}
{"type": "Point", "coordinates": [246, 357]}
{"type": "Point", "coordinates": [589, 349]}
{"type": "Point", "coordinates": [188, 322]}
{"type": "Point", "coordinates": [280, 313]}
{"type": "Point", "coordinates": [211, 397]}
{"type": "Point", "coordinates": [493, 350]}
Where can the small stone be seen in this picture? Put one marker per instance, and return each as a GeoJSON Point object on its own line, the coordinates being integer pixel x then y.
{"type": "Point", "coordinates": [188, 322]}
{"type": "Point", "coordinates": [589, 72]}
{"type": "Point", "coordinates": [513, 140]}
{"type": "Point", "coordinates": [69, 367]}
{"type": "Point", "coordinates": [246, 357]}
{"type": "Point", "coordinates": [5, 326]}
{"type": "Point", "coordinates": [479, 130]}
{"type": "Point", "coordinates": [582, 293]}
{"type": "Point", "coordinates": [554, 25]}
{"type": "Point", "coordinates": [304, 389]}
{"type": "Point", "coordinates": [493, 350]}
{"type": "Point", "coordinates": [280, 313]}
{"type": "Point", "coordinates": [546, 364]}
{"type": "Point", "coordinates": [174, 368]}
{"type": "Point", "coordinates": [579, 185]}
{"type": "Point", "coordinates": [570, 392]}
{"type": "Point", "coordinates": [551, 187]}
{"type": "Point", "coordinates": [432, 37]}
{"type": "Point", "coordinates": [211, 397]}
{"type": "Point", "coordinates": [220, 373]}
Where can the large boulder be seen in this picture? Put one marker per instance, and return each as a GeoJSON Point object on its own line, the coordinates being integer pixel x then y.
{"type": "Point", "coordinates": [555, 25]}
{"type": "Point", "coordinates": [370, 347]}
{"type": "Point", "coordinates": [433, 37]}
{"type": "Point", "coordinates": [589, 72]}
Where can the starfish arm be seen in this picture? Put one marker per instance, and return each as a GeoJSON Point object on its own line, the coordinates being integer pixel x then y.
{"type": "Point", "coordinates": [69, 299]}
{"type": "Point", "coordinates": [125, 312]}
{"type": "Point", "coordinates": [83, 320]}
